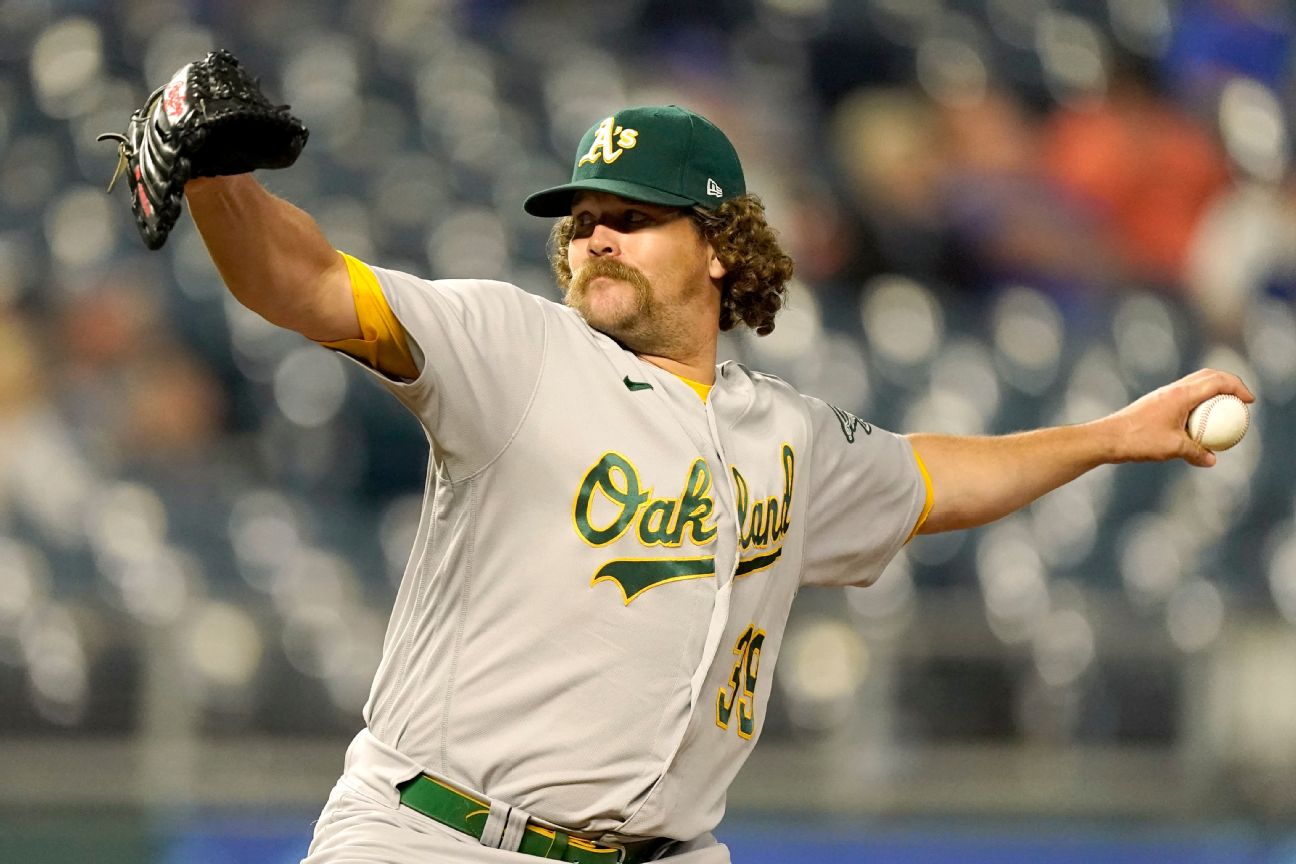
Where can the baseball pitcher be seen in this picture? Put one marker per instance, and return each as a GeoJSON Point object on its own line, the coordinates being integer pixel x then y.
{"type": "Point", "coordinates": [614, 527]}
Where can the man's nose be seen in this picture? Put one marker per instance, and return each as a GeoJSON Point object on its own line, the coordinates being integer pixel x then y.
{"type": "Point", "coordinates": [604, 241]}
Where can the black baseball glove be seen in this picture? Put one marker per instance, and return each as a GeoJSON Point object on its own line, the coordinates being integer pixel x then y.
{"type": "Point", "coordinates": [209, 120]}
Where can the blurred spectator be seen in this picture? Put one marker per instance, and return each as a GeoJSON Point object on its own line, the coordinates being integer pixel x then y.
{"type": "Point", "coordinates": [1010, 224]}
{"type": "Point", "coordinates": [174, 409]}
{"type": "Point", "coordinates": [1246, 249]}
{"type": "Point", "coordinates": [815, 231]}
{"type": "Point", "coordinates": [1143, 167]}
{"type": "Point", "coordinates": [18, 366]}
{"type": "Point", "coordinates": [134, 393]}
{"type": "Point", "coordinates": [885, 144]}
{"type": "Point", "coordinates": [42, 473]}
{"type": "Point", "coordinates": [956, 193]}
{"type": "Point", "coordinates": [1214, 41]}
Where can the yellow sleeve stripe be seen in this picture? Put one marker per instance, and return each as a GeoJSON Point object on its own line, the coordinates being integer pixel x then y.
{"type": "Point", "coordinates": [931, 497]}
{"type": "Point", "coordinates": [382, 344]}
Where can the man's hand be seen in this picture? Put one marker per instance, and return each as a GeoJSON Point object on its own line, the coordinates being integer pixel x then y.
{"type": "Point", "coordinates": [1153, 428]}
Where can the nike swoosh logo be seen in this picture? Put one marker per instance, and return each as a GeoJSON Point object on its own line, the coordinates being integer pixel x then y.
{"type": "Point", "coordinates": [632, 386]}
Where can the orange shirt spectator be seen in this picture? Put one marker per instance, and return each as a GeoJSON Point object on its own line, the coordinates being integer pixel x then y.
{"type": "Point", "coordinates": [1147, 170]}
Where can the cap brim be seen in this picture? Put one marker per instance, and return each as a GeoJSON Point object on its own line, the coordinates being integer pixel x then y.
{"type": "Point", "coordinates": [558, 200]}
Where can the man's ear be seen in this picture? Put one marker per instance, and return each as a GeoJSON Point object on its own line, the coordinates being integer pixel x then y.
{"type": "Point", "coordinates": [715, 268]}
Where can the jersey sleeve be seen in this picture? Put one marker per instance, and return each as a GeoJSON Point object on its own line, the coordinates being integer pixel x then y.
{"type": "Point", "coordinates": [382, 344]}
{"type": "Point", "coordinates": [868, 495]}
{"type": "Point", "coordinates": [475, 347]}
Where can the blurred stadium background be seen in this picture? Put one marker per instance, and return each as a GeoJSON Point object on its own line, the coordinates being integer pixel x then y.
{"type": "Point", "coordinates": [1005, 213]}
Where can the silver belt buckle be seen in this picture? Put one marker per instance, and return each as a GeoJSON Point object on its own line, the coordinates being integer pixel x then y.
{"type": "Point", "coordinates": [620, 848]}
{"type": "Point", "coordinates": [622, 851]}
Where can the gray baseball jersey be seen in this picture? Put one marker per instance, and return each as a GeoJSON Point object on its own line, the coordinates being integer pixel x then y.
{"type": "Point", "coordinates": [596, 597]}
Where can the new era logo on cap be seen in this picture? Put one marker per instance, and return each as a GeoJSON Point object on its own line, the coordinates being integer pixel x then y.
{"type": "Point", "coordinates": [658, 154]}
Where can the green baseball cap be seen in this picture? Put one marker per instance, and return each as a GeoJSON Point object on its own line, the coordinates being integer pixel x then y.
{"type": "Point", "coordinates": [659, 154]}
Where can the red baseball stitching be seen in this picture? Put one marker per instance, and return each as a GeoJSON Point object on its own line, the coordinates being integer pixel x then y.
{"type": "Point", "coordinates": [1201, 424]}
{"type": "Point", "coordinates": [1200, 432]}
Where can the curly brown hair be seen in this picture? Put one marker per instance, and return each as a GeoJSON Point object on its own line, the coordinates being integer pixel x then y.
{"type": "Point", "coordinates": [757, 268]}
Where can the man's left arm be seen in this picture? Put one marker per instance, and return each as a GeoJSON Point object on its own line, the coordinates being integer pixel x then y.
{"type": "Point", "coordinates": [977, 480]}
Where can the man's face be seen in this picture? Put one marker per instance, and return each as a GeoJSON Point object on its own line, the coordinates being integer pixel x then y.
{"type": "Point", "coordinates": [641, 273]}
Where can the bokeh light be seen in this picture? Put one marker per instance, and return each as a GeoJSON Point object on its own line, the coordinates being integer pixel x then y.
{"type": "Point", "coordinates": [66, 62]}
{"type": "Point", "coordinates": [824, 663]}
{"type": "Point", "coordinates": [310, 387]}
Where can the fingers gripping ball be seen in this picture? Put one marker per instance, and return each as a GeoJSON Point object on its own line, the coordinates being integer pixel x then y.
{"type": "Point", "coordinates": [211, 119]}
{"type": "Point", "coordinates": [1219, 422]}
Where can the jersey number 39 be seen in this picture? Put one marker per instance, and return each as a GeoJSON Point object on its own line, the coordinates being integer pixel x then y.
{"type": "Point", "coordinates": [741, 689]}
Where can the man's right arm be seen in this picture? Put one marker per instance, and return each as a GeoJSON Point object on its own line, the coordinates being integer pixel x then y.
{"type": "Point", "coordinates": [274, 258]}
{"type": "Point", "coordinates": [977, 480]}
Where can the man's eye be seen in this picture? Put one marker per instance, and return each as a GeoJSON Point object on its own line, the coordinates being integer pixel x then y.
{"type": "Point", "coordinates": [582, 226]}
{"type": "Point", "coordinates": [636, 217]}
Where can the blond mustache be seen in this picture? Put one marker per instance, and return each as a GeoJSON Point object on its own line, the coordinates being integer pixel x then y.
{"type": "Point", "coordinates": [609, 268]}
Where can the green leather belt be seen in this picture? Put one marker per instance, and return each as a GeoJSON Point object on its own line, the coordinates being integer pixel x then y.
{"type": "Point", "coordinates": [468, 814]}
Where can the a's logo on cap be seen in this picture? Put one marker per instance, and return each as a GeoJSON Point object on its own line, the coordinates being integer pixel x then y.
{"type": "Point", "coordinates": [610, 141]}
{"type": "Point", "coordinates": [713, 188]}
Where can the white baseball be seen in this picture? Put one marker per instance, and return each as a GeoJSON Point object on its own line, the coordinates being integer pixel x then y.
{"type": "Point", "coordinates": [1219, 422]}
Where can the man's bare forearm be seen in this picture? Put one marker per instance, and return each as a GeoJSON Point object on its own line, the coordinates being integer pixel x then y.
{"type": "Point", "coordinates": [273, 257]}
{"type": "Point", "coordinates": [977, 480]}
